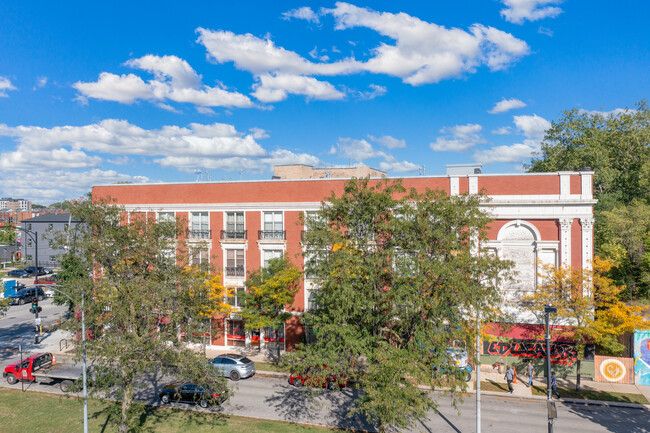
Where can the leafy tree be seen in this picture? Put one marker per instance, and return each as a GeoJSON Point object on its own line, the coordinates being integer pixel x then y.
{"type": "Point", "coordinates": [7, 236]}
{"type": "Point", "coordinates": [588, 307]}
{"type": "Point", "coordinates": [399, 277]}
{"type": "Point", "coordinates": [269, 291]}
{"type": "Point", "coordinates": [617, 148]}
{"type": "Point", "coordinates": [137, 303]}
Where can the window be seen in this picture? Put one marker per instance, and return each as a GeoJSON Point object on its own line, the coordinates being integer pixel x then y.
{"type": "Point", "coordinates": [200, 257]}
{"type": "Point", "coordinates": [29, 226]}
{"type": "Point", "coordinates": [50, 226]}
{"type": "Point", "coordinates": [235, 297]}
{"type": "Point", "coordinates": [270, 254]}
{"type": "Point", "coordinates": [199, 226]}
{"type": "Point", "coordinates": [235, 225]}
{"type": "Point", "coordinates": [53, 258]}
{"type": "Point", "coordinates": [66, 227]}
{"type": "Point", "coordinates": [28, 257]}
{"type": "Point", "coordinates": [311, 300]}
{"type": "Point", "coordinates": [273, 226]}
{"type": "Point", "coordinates": [29, 242]}
{"type": "Point", "coordinates": [235, 263]}
{"type": "Point", "coordinates": [166, 217]}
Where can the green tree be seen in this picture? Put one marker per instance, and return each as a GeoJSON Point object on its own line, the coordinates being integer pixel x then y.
{"type": "Point", "coordinates": [269, 291]}
{"type": "Point", "coordinates": [399, 277]}
{"type": "Point", "coordinates": [7, 236]}
{"type": "Point", "coordinates": [617, 147]}
{"type": "Point", "coordinates": [588, 307]}
{"type": "Point", "coordinates": [137, 302]}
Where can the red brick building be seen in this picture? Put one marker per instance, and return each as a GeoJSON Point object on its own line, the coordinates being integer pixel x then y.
{"type": "Point", "coordinates": [239, 225]}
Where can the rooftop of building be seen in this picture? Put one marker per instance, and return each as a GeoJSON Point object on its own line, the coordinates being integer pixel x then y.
{"type": "Point", "coordinates": [63, 217]}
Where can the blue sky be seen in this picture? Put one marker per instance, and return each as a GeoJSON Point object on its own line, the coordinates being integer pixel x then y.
{"type": "Point", "coordinates": [95, 93]}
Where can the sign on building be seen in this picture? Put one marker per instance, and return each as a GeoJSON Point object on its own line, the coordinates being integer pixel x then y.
{"type": "Point", "coordinates": [642, 357]}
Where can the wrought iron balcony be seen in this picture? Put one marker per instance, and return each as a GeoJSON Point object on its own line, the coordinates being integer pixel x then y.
{"type": "Point", "coordinates": [235, 271]}
{"type": "Point", "coordinates": [272, 234]}
{"type": "Point", "coordinates": [234, 234]}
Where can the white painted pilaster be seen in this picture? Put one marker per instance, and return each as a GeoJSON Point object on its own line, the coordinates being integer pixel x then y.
{"type": "Point", "coordinates": [565, 240]}
{"type": "Point", "coordinates": [586, 186]}
{"type": "Point", "coordinates": [473, 184]}
{"type": "Point", "coordinates": [587, 242]}
{"type": "Point", "coordinates": [454, 186]}
{"type": "Point", "coordinates": [565, 185]}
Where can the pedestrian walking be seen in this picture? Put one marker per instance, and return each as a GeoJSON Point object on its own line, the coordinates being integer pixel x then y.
{"type": "Point", "coordinates": [530, 370]}
{"type": "Point", "coordinates": [554, 385]}
{"type": "Point", "coordinates": [510, 376]}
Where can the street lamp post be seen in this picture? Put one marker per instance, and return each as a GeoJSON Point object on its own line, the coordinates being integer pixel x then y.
{"type": "Point", "coordinates": [83, 348]}
{"type": "Point", "coordinates": [548, 309]}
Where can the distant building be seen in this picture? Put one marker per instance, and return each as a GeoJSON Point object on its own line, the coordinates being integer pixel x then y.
{"type": "Point", "coordinates": [46, 227]}
{"type": "Point", "coordinates": [300, 171]}
{"type": "Point", "coordinates": [15, 204]}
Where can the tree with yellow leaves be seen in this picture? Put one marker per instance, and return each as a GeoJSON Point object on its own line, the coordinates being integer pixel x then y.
{"type": "Point", "coordinates": [588, 307]}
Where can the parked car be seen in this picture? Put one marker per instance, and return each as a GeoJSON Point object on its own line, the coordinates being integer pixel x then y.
{"type": "Point", "coordinates": [41, 270]}
{"type": "Point", "coordinates": [18, 273]}
{"type": "Point", "coordinates": [188, 392]}
{"type": "Point", "coordinates": [26, 295]}
{"type": "Point", "coordinates": [51, 279]}
{"type": "Point", "coordinates": [319, 377]}
{"type": "Point", "coordinates": [233, 365]}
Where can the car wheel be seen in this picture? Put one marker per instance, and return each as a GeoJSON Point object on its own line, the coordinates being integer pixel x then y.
{"type": "Point", "coordinates": [203, 403]}
{"type": "Point", "coordinates": [40, 298]}
{"type": "Point", "coordinates": [11, 379]}
{"type": "Point", "coordinates": [234, 375]}
{"type": "Point", "coordinates": [21, 301]}
{"type": "Point", "coordinates": [65, 385]}
{"type": "Point", "coordinates": [468, 376]}
{"type": "Point", "coordinates": [297, 383]}
{"type": "Point", "coordinates": [331, 386]}
{"type": "Point", "coordinates": [165, 399]}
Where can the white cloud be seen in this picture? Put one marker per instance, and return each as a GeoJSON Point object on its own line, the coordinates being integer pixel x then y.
{"type": "Point", "coordinates": [614, 112]}
{"type": "Point", "coordinates": [507, 154]}
{"type": "Point", "coordinates": [374, 92]}
{"type": "Point", "coordinates": [356, 150]}
{"type": "Point", "coordinates": [40, 82]}
{"type": "Point", "coordinates": [303, 13]}
{"type": "Point", "coordinates": [389, 142]}
{"type": "Point", "coordinates": [398, 167]}
{"type": "Point", "coordinates": [518, 11]}
{"type": "Point", "coordinates": [174, 80]}
{"type": "Point", "coordinates": [259, 133]}
{"type": "Point", "coordinates": [545, 31]}
{"type": "Point", "coordinates": [504, 130]}
{"type": "Point", "coordinates": [276, 87]}
{"type": "Point", "coordinates": [460, 138]}
{"type": "Point", "coordinates": [5, 84]}
{"type": "Point", "coordinates": [423, 52]}
{"type": "Point", "coordinates": [506, 105]}
{"type": "Point", "coordinates": [532, 126]}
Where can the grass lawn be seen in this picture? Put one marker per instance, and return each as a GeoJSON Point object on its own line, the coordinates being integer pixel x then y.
{"type": "Point", "coordinates": [589, 394]}
{"type": "Point", "coordinates": [493, 386]}
{"type": "Point", "coordinates": [43, 413]}
{"type": "Point", "coordinates": [268, 366]}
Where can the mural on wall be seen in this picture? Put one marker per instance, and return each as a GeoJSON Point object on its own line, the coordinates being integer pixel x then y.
{"type": "Point", "coordinates": [561, 353]}
{"type": "Point", "coordinates": [642, 358]}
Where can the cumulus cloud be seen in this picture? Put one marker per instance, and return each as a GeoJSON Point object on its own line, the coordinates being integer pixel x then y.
{"type": "Point", "coordinates": [506, 105]}
{"type": "Point", "coordinates": [459, 138]}
{"type": "Point", "coordinates": [504, 130]}
{"type": "Point", "coordinates": [532, 127]}
{"type": "Point", "coordinates": [518, 11]}
{"type": "Point", "coordinates": [398, 167]}
{"type": "Point", "coordinates": [614, 112]}
{"type": "Point", "coordinates": [374, 92]}
{"type": "Point", "coordinates": [388, 142]}
{"type": "Point", "coordinates": [174, 80]}
{"type": "Point", "coordinates": [276, 87]}
{"type": "Point", "coordinates": [545, 31]}
{"type": "Point", "coordinates": [356, 150]}
{"type": "Point", "coordinates": [422, 52]}
{"type": "Point", "coordinates": [304, 13]}
{"type": "Point", "coordinates": [5, 84]}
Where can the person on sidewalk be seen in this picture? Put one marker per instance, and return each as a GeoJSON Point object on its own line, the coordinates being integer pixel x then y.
{"type": "Point", "coordinates": [554, 385]}
{"type": "Point", "coordinates": [530, 370]}
{"type": "Point", "coordinates": [510, 376]}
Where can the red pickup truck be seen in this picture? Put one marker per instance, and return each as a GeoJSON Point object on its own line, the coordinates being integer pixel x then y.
{"type": "Point", "coordinates": [42, 368]}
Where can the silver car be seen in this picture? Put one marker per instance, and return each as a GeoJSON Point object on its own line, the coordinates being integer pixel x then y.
{"type": "Point", "coordinates": [233, 366]}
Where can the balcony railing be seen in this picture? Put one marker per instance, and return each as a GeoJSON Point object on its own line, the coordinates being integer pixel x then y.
{"type": "Point", "coordinates": [235, 271]}
{"type": "Point", "coordinates": [234, 234]}
{"type": "Point", "coordinates": [272, 234]}
{"type": "Point", "coordinates": [200, 234]}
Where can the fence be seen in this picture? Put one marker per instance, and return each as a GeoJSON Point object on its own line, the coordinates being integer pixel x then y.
{"type": "Point", "coordinates": [613, 370]}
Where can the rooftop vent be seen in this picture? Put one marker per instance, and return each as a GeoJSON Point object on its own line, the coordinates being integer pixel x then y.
{"type": "Point", "coordinates": [463, 169]}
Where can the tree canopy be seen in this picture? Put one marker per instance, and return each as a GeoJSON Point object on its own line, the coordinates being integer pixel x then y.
{"type": "Point", "coordinates": [399, 278]}
{"type": "Point", "coordinates": [139, 300]}
{"type": "Point", "coordinates": [617, 147]}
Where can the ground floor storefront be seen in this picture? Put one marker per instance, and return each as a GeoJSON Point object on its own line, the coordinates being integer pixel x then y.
{"type": "Point", "coordinates": [230, 332]}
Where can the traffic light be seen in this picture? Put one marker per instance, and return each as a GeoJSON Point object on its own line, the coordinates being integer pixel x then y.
{"type": "Point", "coordinates": [35, 308]}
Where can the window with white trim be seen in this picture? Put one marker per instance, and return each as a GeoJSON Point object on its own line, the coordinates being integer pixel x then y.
{"type": "Point", "coordinates": [273, 227]}
{"type": "Point", "coordinates": [199, 226]}
{"type": "Point", "coordinates": [235, 263]}
{"type": "Point", "coordinates": [269, 255]}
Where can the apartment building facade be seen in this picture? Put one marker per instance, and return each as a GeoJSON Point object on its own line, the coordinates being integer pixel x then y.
{"type": "Point", "coordinates": [238, 226]}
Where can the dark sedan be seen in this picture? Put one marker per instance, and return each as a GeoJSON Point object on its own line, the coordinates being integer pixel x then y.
{"type": "Point", "coordinates": [188, 392]}
{"type": "Point", "coordinates": [41, 270]}
{"type": "Point", "coordinates": [18, 273]}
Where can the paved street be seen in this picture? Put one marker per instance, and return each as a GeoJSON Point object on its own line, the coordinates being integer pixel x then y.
{"type": "Point", "coordinates": [272, 398]}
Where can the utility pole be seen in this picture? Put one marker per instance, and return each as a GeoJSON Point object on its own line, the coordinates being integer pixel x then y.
{"type": "Point", "coordinates": [550, 405]}
{"type": "Point", "coordinates": [478, 373]}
